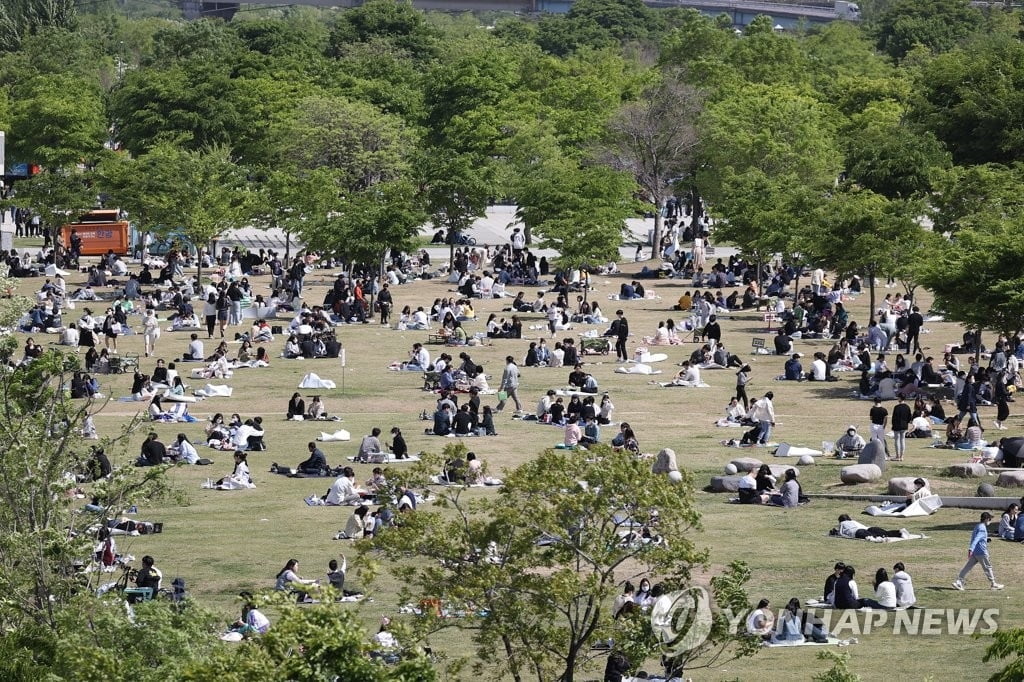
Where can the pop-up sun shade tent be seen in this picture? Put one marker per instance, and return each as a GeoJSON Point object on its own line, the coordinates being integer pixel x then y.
{"type": "Point", "coordinates": [923, 507]}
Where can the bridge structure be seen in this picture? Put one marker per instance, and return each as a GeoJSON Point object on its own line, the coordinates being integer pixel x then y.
{"type": "Point", "coordinates": [742, 12]}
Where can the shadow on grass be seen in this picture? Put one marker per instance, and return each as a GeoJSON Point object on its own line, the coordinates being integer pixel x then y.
{"type": "Point", "coordinates": [835, 390]}
{"type": "Point", "coordinates": [965, 526]}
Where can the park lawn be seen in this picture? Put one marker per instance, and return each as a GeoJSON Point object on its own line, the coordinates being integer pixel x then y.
{"type": "Point", "coordinates": [225, 542]}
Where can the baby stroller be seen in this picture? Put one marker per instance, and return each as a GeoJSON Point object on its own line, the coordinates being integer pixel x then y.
{"type": "Point", "coordinates": [595, 346]}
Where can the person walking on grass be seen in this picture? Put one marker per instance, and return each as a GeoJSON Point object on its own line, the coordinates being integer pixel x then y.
{"type": "Point", "coordinates": [510, 385]}
{"type": "Point", "coordinates": [977, 553]}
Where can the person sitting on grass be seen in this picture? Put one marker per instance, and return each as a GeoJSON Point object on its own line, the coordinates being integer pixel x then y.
{"type": "Point", "coordinates": [748, 490]}
{"type": "Point", "coordinates": [359, 524]}
{"type": "Point", "coordinates": [316, 464]}
{"type": "Point", "coordinates": [252, 622]}
{"type": "Point", "coordinates": [789, 494]}
{"type": "Point", "coordinates": [288, 578]}
{"type": "Point", "coordinates": [850, 443]}
{"type": "Point", "coordinates": [343, 491]}
{"type": "Point", "coordinates": [885, 592]}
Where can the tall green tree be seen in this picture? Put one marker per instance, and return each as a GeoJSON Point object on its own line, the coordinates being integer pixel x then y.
{"type": "Point", "coordinates": [936, 24]}
{"type": "Point", "coordinates": [199, 193]}
{"type": "Point", "coordinates": [355, 141]}
{"type": "Point", "coordinates": [655, 140]}
{"type": "Point", "coordinates": [21, 18]}
{"type": "Point", "coordinates": [977, 279]}
{"type": "Point", "coordinates": [972, 100]}
{"type": "Point", "coordinates": [888, 156]}
{"type": "Point", "coordinates": [57, 120]}
{"type": "Point", "coordinates": [579, 211]}
{"type": "Point", "coordinates": [769, 157]}
{"type": "Point", "coordinates": [559, 546]}
{"type": "Point", "coordinates": [863, 232]}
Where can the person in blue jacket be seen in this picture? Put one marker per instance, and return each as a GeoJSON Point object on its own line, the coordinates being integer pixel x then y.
{"type": "Point", "coordinates": [977, 553]}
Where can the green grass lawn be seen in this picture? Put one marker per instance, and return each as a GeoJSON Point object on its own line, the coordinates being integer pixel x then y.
{"type": "Point", "coordinates": [224, 542]}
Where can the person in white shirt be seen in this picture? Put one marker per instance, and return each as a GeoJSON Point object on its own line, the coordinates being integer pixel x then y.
{"type": "Point", "coordinates": [239, 478]}
{"type": "Point", "coordinates": [419, 359]}
{"type": "Point", "coordinates": [150, 330]}
{"type": "Point", "coordinates": [819, 370]}
{"type": "Point", "coordinates": [195, 349]}
{"type": "Point", "coordinates": [885, 592]}
{"type": "Point", "coordinates": [343, 490]}
{"type": "Point", "coordinates": [186, 451]}
{"type": "Point", "coordinates": [118, 268]}
{"type": "Point", "coordinates": [904, 586]}
{"type": "Point", "coordinates": [420, 320]}
{"type": "Point", "coordinates": [763, 412]}
{"type": "Point", "coordinates": [761, 621]}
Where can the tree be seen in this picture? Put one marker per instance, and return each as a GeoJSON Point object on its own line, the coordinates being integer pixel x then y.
{"type": "Point", "coordinates": [41, 535]}
{"type": "Point", "coordinates": [200, 193]}
{"type": "Point", "coordinates": [655, 140]}
{"type": "Point", "coordinates": [972, 99]}
{"type": "Point", "coordinates": [140, 187]}
{"type": "Point", "coordinates": [889, 157]}
{"type": "Point", "coordinates": [290, 201]}
{"type": "Point", "coordinates": [863, 232]}
{"type": "Point", "coordinates": [538, 565]}
{"type": "Point", "coordinates": [976, 278]}
{"type": "Point", "coordinates": [937, 24]}
{"type": "Point", "coordinates": [21, 18]}
{"type": "Point", "coordinates": [190, 103]}
{"type": "Point", "coordinates": [963, 193]}
{"type": "Point", "coordinates": [355, 141]}
{"type": "Point", "coordinates": [395, 22]}
{"type": "Point", "coordinates": [769, 157]}
{"type": "Point", "coordinates": [57, 120]}
{"type": "Point", "coordinates": [366, 224]}
{"type": "Point", "coordinates": [579, 211]}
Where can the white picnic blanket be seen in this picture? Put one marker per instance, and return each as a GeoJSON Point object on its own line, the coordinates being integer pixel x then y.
{"type": "Point", "coordinates": [311, 380]}
{"type": "Point", "coordinates": [214, 391]}
{"type": "Point", "coordinates": [646, 358]}
{"type": "Point", "coordinates": [340, 434]}
{"type": "Point", "coordinates": [787, 450]}
{"type": "Point", "coordinates": [923, 507]}
{"type": "Point", "coordinates": [638, 368]}
{"type": "Point", "coordinates": [832, 641]}
{"type": "Point", "coordinates": [169, 397]}
{"type": "Point", "coordinates": [911, 536]}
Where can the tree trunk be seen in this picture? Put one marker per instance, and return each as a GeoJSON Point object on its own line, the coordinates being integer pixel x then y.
{"type": "Point", "coordinates": [527, 234]}
{"type": "Point", "coordinates": [871, 290]}
{"type": "Point", "coordinates": [656, 238]}
{"type": "Point", "coordinates": [977, 349]}
{"type": "Point", "coordinates": [287, 245]}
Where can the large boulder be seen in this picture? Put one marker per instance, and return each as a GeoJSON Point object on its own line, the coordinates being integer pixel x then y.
{"type": "Point", "coordinates": [986, 490]}
{"type": "Point", "coordinates": [902, 485]}
{"type": "Point", "coordinates": [873, 453]}
{"type": "Point", "coordinates": [860, 473]}
{"type": "Point", "coordinates": [1011, 479]}
{"type": "Point", "coordinates": [967, 470]}
{"type": "Point", "coordinates": [805, 460]}
{"type": "Point", "coordinates": [779, 472]}
{"type": "Point", "coordinates": [725, 484]}
{"type": "Point", "coordinates": [744, 464]}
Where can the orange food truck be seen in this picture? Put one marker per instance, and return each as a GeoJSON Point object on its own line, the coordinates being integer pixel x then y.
{"type": "Point", "coordinates": [101, 230]}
